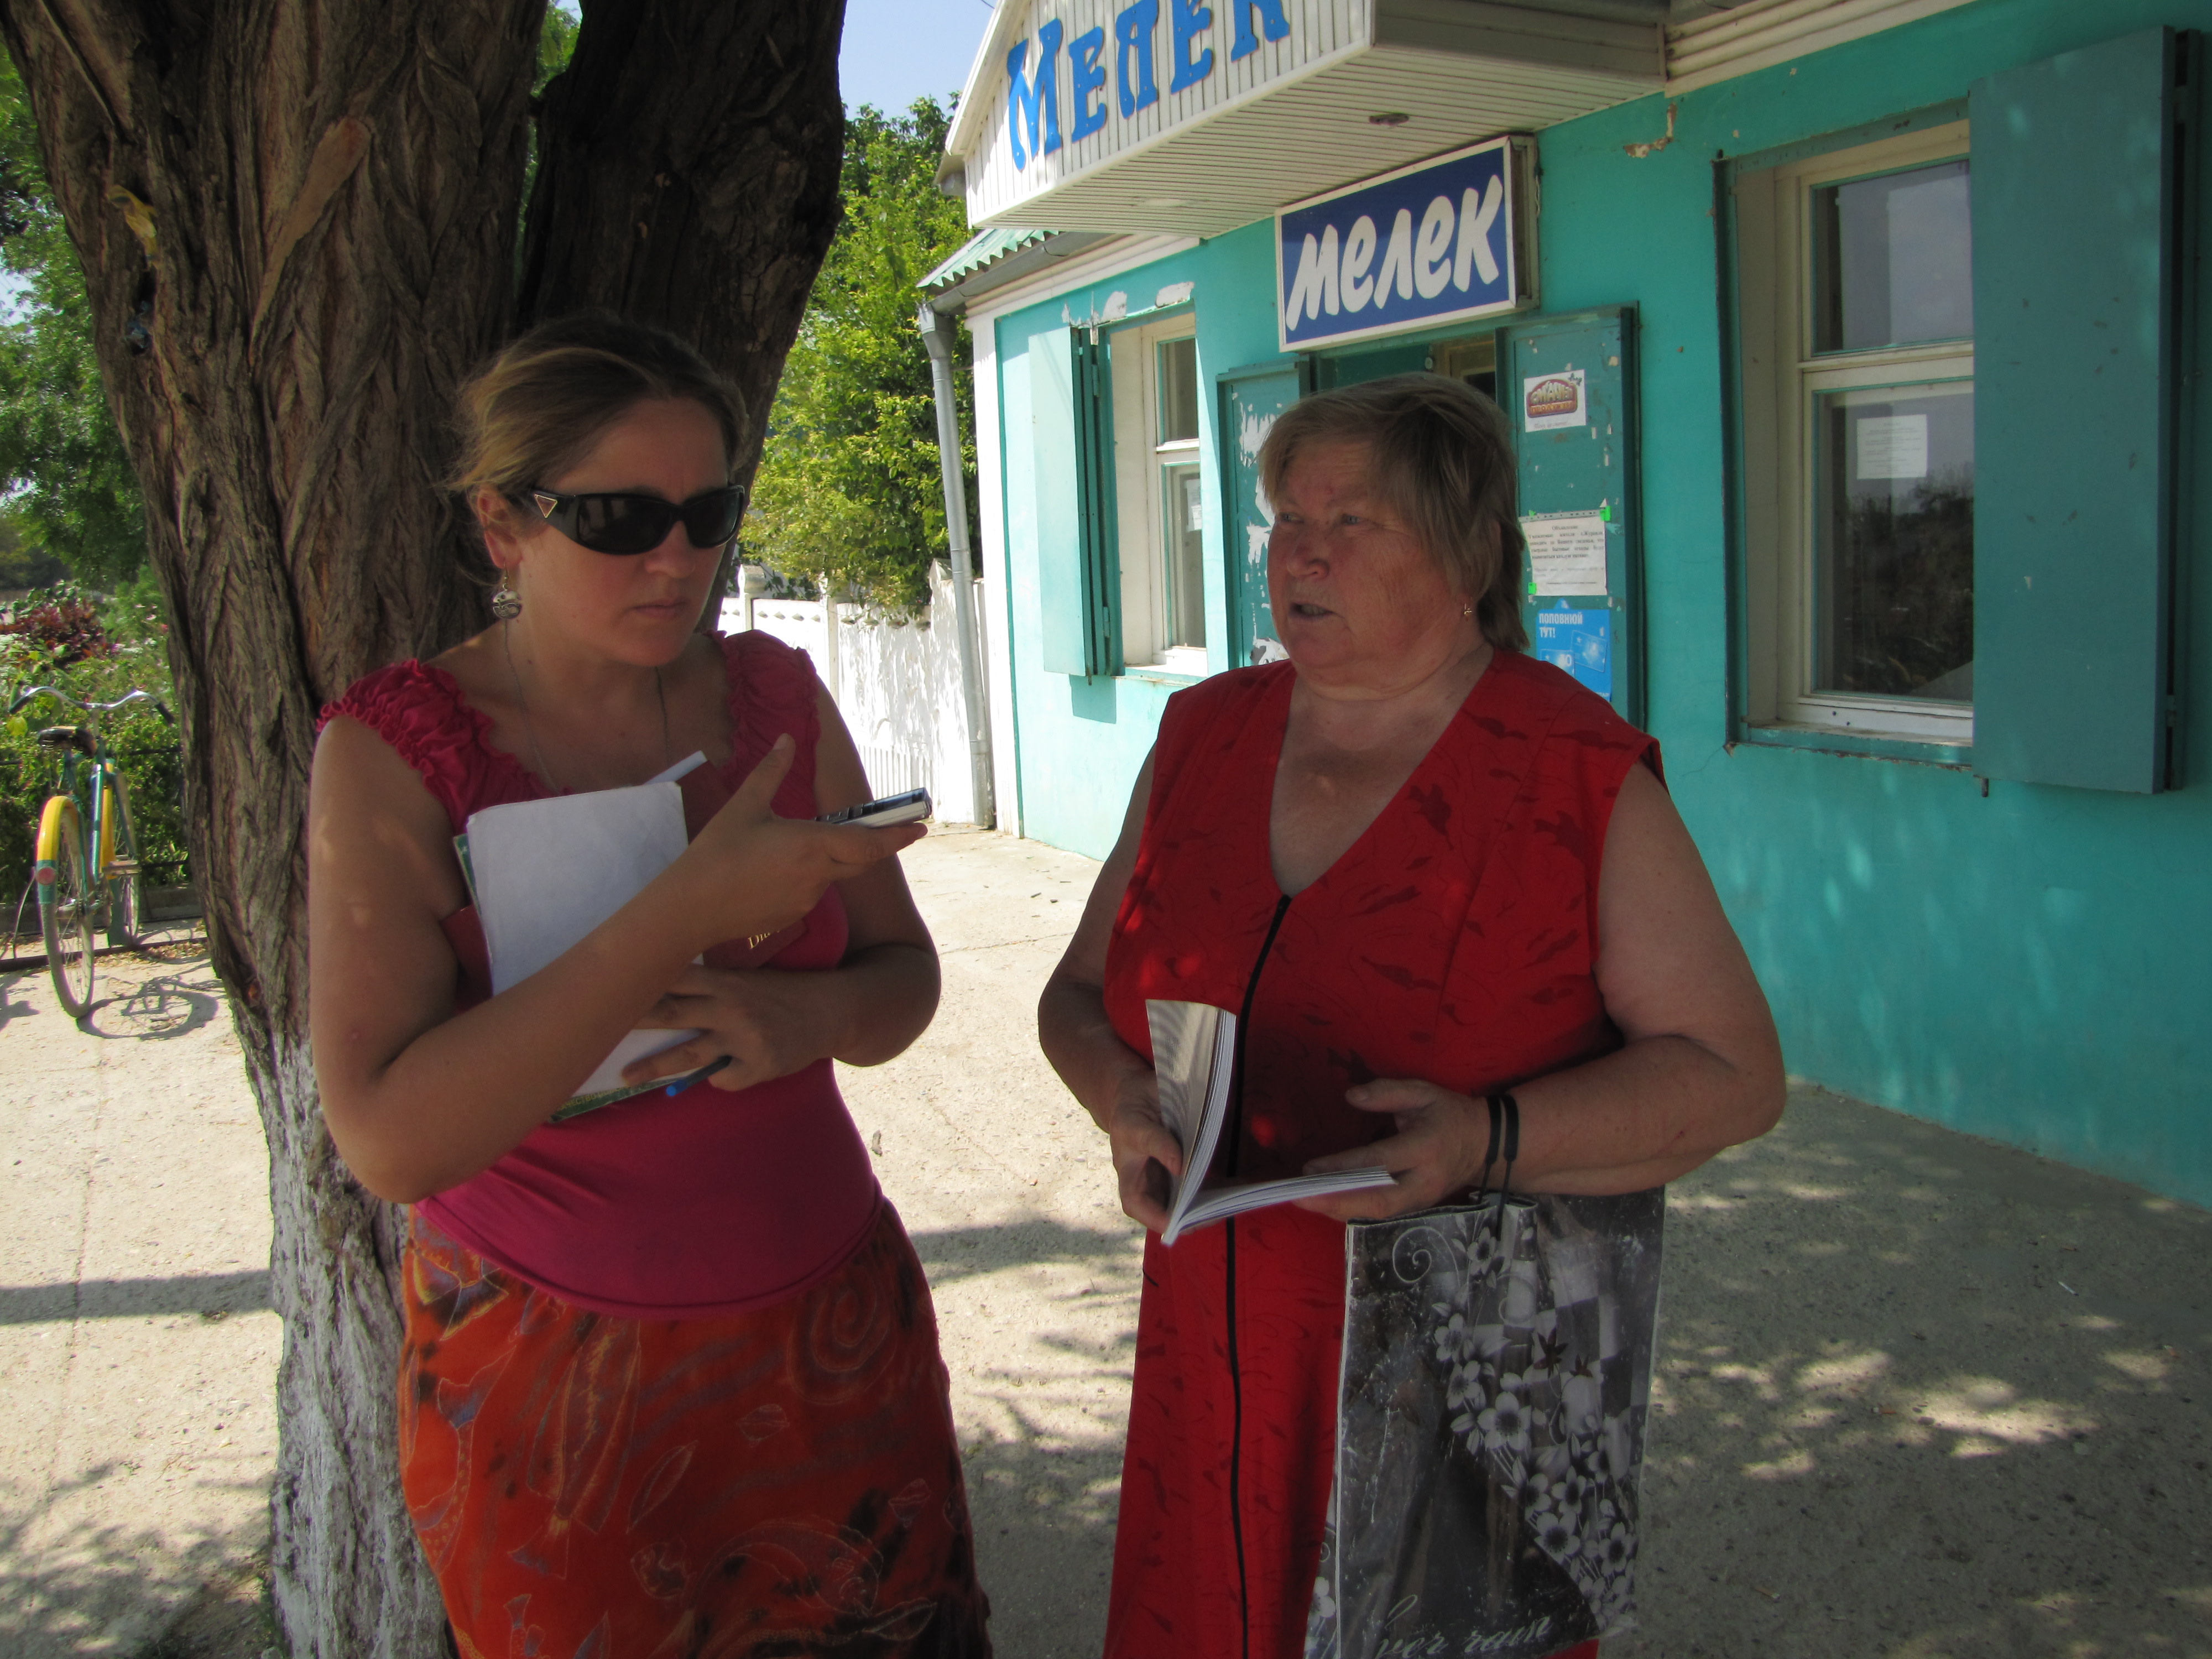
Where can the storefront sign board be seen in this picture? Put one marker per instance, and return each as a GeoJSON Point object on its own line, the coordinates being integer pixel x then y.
{"type": "Point", "coordinates": [1446, 240]}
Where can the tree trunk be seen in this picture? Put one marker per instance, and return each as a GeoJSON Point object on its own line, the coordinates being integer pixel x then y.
{"type": "Point", "coordinates": [687, 175]}
{"type": "Point", "coordinates": [318, 234]}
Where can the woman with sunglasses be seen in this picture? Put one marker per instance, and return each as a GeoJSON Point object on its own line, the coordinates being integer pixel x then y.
{"type": "Point", "coordinates": [670, 1371]}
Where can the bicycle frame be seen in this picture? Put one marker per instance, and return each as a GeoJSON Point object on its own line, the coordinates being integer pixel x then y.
{"type": "Point", "coordinates": [102, 837]}
{"type": "Point", "coordinates": [83, 882]}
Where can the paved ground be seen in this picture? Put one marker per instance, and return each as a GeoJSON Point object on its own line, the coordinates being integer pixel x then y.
{"type": "Point", "coordinates": [1920, 1396]}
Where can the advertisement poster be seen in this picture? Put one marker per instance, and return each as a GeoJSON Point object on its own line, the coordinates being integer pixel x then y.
{"type": "Point", "coordinates": [1580, 641]}
{"type": "Point", "coordinates": [1549, 401]}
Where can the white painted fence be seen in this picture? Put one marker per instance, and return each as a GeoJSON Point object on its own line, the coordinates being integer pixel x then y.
{"type": "Point", "coordinates": [896, 680]}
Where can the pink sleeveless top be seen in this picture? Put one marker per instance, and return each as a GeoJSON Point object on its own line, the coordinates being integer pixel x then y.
{"type": "Point", "coordinates": [701, 1205]}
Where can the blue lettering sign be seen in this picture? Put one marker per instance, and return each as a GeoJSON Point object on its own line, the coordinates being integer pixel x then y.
{"type": "Point", "coordinates": [1041, 91]}
{"type": "Point", "coordinates": [1088, 77]}
{"type": "Point", "coordinates": [1449, 251]}
{"type": "Point", "coordinates": [1580, 641]}
{"type": "Point", "coordinates": [1133, 27]}
{"type": "Point", "coordinates": [1189, 20]}
{"type": "Point", "coordinates": [1271, 21]}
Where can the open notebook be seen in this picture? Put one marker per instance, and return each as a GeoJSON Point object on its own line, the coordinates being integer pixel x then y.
{"type": "Point", "coordinates": [1195, 1055]}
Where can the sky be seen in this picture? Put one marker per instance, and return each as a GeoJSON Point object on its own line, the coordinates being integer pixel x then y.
{"type": "Point", "coordinates": [898, 50]}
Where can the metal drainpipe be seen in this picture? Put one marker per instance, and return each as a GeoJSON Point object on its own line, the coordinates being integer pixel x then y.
{"type": "Point", "coordinates": [937, 335]}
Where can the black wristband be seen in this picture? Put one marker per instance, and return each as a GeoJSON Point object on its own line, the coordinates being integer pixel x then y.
{"type": "Point", "coordinates": [1490, 1154]}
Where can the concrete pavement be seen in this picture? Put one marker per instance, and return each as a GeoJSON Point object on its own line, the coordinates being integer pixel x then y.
{"type": "Point", "coordinates": [1920, 1396]}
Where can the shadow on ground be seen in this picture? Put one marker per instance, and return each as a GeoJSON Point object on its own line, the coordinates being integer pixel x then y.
{"type": "Point", "coordinates": [1922, 1395]}
{"type": "Point", "coordinates": [90, 1592]}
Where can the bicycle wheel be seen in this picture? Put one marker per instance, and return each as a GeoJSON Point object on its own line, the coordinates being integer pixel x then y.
{"type": "Point", "coordinates": [65, 904]}
{"type": "Point", "coordinates": [122, 871]}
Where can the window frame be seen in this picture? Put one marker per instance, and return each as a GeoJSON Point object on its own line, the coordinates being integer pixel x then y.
{"type": "Point", "coordinates": [1140, 458]}
{"type": "Point", "coordinates": [1781, 377]}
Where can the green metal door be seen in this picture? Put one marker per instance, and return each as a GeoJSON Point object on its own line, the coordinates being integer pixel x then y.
{"type": "Point", "coordinates": [1248, 402]}
{"type": "Point", "coordinates": [1569, 386]}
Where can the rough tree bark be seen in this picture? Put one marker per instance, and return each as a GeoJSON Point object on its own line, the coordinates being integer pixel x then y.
{"type": "Point", "coordinates": [313, 210]}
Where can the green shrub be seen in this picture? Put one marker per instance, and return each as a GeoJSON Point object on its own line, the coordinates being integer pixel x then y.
{"type": "Point", "coordinates": [67, 642]}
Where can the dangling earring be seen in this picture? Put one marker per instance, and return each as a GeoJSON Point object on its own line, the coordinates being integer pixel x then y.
{"type": "Point", "coordinates": [1464, 611]}
{"type": "Point", "coordinates": [506, 603]}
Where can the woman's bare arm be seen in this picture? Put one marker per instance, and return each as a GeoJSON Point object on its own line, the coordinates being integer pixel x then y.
{"type": "Point", "coordinates": [1700, 1069]}
{"type": "Point", "coordinates": [418, 1099]}
{"type": "Point", "coordinates": [1109, 1078]}
{"type": "Point", "coordinates": [865, 1011]}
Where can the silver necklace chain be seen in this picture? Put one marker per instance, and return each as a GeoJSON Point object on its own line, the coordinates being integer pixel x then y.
{"type": "Point", "coordinates": [530, 728]}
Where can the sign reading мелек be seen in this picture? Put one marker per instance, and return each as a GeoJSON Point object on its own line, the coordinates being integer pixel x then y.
{"type": "Point", "coordinates": [1423, 246]}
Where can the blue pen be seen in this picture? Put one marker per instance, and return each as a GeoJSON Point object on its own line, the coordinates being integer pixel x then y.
{"type": "Point", "coordinates": [683, 1083]}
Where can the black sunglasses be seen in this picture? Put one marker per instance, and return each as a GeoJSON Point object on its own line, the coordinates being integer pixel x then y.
{"type": "Point", "coordinates": [638, 523]}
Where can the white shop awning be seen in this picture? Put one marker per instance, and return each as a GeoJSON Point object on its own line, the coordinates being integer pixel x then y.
{"type": "Point", "coordinates": [1281, 100]}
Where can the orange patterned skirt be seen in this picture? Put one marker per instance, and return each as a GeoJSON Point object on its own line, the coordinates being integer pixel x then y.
{"type": "Point", "coordinates": [784, 1482]}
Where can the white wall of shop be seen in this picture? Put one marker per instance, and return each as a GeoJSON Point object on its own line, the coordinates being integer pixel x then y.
{"type": "Point", "coordinates": [896, 680]}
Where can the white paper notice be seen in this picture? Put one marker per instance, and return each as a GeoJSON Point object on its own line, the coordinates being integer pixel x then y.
{"type": "Point", "coordinates": [1892, 446]}
{"type": "Point", "coordinates": [1566, 553]}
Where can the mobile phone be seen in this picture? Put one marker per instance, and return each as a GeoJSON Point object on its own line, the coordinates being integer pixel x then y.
{"type": "Point", "coordinates": [887, 810]}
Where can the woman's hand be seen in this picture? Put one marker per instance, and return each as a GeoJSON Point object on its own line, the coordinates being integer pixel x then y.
{"type": "Point", "coordinates": [1146, 1156]}
{"type": "Point", "coordinates": [1437, 1153]}
{"type": "Point", "coordinates": [751, 872]}
{"type": "Point", "coordinates": [768, 1025]}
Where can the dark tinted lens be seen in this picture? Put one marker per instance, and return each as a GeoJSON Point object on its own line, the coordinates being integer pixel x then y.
{"type": "Point", "coordinates": [624, 523]}
{"type": "Point", "coordinates": [712, 519]}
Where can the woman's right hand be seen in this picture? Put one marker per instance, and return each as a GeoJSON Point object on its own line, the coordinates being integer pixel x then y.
{"type": "Point", "coordinates": [750, 872]}
{"type": "Point", "coordinates": [1147, 1157]}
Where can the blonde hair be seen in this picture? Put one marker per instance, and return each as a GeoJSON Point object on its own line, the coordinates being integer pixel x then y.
{"type": "Point", "coordinates": [1443, 460]}
{"type": "Point", "coordinates": [537, 408]}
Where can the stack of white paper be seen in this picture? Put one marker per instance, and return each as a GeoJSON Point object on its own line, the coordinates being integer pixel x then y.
{"type": "Point", "coordinates": [546, 872]}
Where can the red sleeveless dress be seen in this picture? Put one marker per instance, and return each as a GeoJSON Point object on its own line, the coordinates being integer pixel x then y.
{"type": "Point", "coordinates": [1455, 942]}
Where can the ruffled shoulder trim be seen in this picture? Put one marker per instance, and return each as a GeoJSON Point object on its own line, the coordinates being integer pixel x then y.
{"type": "Point", "coordinates": [772, 691]}
{"type": "Point", "coordinates": [420, 711]}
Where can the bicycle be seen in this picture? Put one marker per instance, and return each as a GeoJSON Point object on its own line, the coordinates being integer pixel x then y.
{"type": "Point", "coordinates": [85, 866]}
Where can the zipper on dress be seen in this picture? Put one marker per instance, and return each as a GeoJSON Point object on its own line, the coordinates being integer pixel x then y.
{"type": "Point", "coordinates": [1236, 1137]}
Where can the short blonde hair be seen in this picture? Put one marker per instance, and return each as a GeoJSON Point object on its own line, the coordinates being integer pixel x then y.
{"type": "Point", "coordinates": [1444, 462]}
{"type": "Point", "coordinates": [537, 408]}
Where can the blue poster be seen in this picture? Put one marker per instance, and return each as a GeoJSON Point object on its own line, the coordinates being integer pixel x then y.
{"type": "Point", "coordinates": [1580, 641]}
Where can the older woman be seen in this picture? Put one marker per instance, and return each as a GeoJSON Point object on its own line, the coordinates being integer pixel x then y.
{"type": "Point", "coordinates": [670, 1381]}
{"type": "Point", "coordinates": [1423, 868]}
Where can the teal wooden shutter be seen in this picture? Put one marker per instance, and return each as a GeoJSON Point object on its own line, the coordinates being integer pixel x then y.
{"type": "Point", "coordinates": [1569, 385]}
{"type": "Point", "coordinates": [2076, 310]}
{"type": "Point", "coordinates": [1250, 400]}
{"type": "Point", "coordinates": [1074, 493]}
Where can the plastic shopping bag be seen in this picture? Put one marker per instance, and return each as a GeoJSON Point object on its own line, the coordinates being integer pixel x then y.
{"type": "Point", "coordinates": [1489, 1428]}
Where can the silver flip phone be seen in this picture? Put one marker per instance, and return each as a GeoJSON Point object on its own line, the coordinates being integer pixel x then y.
{"type": "Point", "coordinates": [887, 810]}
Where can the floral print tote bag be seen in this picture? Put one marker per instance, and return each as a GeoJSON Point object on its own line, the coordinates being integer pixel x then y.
{"type": "Point", "coordinates": [1489, 1428]}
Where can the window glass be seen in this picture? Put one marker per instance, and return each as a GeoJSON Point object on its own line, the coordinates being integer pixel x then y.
{"type": "Point", "coordinates": [1185, 551]}
{"type": "Point", "coordinates": [1895, 529]}
{"type": "Point", "coordinates": [1893, 259]}
{"type": "Point", "coordinates": [1178, 370]}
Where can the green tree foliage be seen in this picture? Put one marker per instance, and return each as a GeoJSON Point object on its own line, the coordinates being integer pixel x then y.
{"type": "Point", "coordinates": [68, 486]}
{"type": "Point", "coordinates": [849, 485]}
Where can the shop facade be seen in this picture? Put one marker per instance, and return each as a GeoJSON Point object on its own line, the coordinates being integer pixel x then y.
{"type": "Point", "coordinates": [1852, 350]}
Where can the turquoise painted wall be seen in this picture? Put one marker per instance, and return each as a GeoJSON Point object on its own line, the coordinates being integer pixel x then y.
{"type": "Point", "coordinates": [2031, 964]}
{"type": "Point", "coordinates": [1082, 741]}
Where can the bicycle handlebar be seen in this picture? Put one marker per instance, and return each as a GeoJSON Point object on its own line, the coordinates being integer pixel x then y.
{"type": "Point", "coordinates": [135, 695]}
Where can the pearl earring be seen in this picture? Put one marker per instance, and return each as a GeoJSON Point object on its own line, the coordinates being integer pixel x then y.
{"type": "Point", "coordinates": [506, 603]}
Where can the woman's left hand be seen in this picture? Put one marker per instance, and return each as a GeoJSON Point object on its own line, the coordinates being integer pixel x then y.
{"type": "Point", "coordinates": [1437, 1151]}
{"type": "Point", "coordinates": [770, 1025]}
